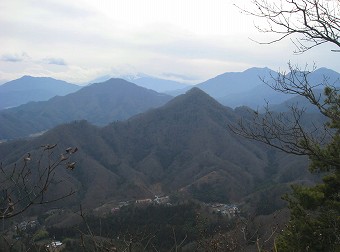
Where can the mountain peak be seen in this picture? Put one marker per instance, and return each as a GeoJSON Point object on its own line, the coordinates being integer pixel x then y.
{"type": "Point", "coordinates": [234, 82]}
{"type": "Point", "coordinates": [257, 69]}
{"type": "Point", "coordinates": [198, 95]}
{"type": "Point", "coordinates": [117, 80]}
{"type": "Point", "coordinates": [26, 77]}
{"type": "Point", "coordinates": [195, 97]}
{"type": "Point", "coordinates": [38, 78]}
{"type": "Point", "coordinates": [113, 82]}
{"type": "Point", "coordinates": [196, 91]}
{"type": "Point", "coordinates": [29, 88]}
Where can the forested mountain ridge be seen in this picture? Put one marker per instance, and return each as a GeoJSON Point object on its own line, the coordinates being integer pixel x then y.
{"type": "Point", "coordinates": [122, 101]}
{"type": "Point", "coordinates": [99, 103]}
{"type": "Point", "coordinates": [183, 146]}
{"type": "Point", "coordinates": [28, 88]}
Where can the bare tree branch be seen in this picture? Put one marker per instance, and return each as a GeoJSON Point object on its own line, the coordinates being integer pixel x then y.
{"type": "Point", "coordinates": [27, 186]}
{"type": "Point", "coordinates": [314, 22]}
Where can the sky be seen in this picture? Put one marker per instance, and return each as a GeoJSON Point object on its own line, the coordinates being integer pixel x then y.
{"type": "Point", "coordinates": [184, 40]}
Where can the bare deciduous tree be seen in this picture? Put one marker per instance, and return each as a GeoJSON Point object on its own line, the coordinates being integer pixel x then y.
{"type": "Point", "coordinates": [314, 224]}
{"type": "Point", "coordinates": [27, 183]}
{"type": "Point", "coordinates": [287, 131]}
{"type": "Point", "coordinates": [313, 21]}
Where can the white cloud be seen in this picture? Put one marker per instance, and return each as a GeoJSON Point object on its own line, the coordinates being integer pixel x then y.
{"type": "Point", "coordinates": [15, 57]}
{"type": "Point", "coordinates": [196, 38]}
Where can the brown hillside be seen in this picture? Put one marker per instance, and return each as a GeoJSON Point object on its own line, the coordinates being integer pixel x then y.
{"type": "Point", "coordinates": [184, 145]}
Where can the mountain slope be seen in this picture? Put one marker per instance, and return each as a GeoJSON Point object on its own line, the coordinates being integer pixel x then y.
{"type": "Point", "coordinates": [256, 98]}
{"type": "Point", "coordinates": [182, 142]}
{"type": "Point", "coordinates": [326, 76]}
{"type": "Point", "coordinates": [99, 103]}
{"type": "Point", "coordinates": [149, 82]}
{"type": "Point", "coordinates": [183, 146]}
{"type": "Point", "coordinates": [259, 96]}
{"type": "Point", "coordinates": [235, 82]}
{"type": "Point", "coordinates": [28, 88]}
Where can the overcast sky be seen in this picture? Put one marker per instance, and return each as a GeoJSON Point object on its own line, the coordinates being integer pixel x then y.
{"type": "Point", "coordinates": [185, 40]}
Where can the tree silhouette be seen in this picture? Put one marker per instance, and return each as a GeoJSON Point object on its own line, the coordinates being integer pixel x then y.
{"type": "Point", "coordinates": [316, 21]}
{"type": "Point", "coordinates": [27, 183]}
{"type": "Point", "coordinates": [314, 223]}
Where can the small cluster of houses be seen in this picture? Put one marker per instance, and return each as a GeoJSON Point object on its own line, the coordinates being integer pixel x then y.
{"type": "Point", "coordinates": [158, 200]}
{"type": "Point", "coordinates": [53, 245]}
{"type": "Point", "coordinates": [230, 210]}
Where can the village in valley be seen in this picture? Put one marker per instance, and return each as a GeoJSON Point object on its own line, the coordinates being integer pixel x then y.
{"type": "Point", "coordinates": [37, 227]}
{"type": "Point", "coordinates": [228, 210]}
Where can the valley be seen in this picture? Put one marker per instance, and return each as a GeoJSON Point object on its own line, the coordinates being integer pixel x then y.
{"type": "Point", "coordinates": [132, 144]}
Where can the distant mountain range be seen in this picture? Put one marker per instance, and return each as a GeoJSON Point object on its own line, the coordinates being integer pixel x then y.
{"type": "Point", "coordinates": [183, 146]}
{"type": "Point", "coordinates": [100, 104]}
{"type": "Point", "coordinates": [116, 99]}
{"type": "Point", "coordinates": [235, 82]}
{"type": "Point", "coordinates": [149, 82]}
{"type": "Point", "coordinates": [231, 88]}
{"type": "Point", "coordinates": [248, 89]}
{"type": "Point", "coordinates": [159, 85]}
{"type": "Point", "coordinates": [28, 88]}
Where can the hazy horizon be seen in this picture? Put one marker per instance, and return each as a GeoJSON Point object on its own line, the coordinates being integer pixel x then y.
{"type": "Point", "coordinates": [78, 42]}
